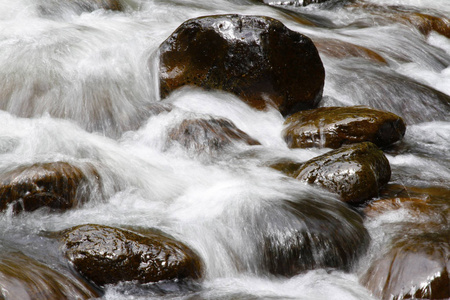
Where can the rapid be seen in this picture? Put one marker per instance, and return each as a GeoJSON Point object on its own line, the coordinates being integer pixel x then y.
{"type": "Point", "coordinates": [78, 85]}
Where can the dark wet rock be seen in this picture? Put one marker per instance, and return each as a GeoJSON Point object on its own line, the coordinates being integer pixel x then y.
{"type": "Point", "coordinates": [286, 166]}
{"type": "Point", "coordinates": [210, 135]}
{"type": "Point", "coordinates": [22, 277]}
{"type": "Point", "coordinates": [257, 58]}
{"type": "Point", "coordinates": [340, 49]}
{"type": "Point", "coordinates": [56, 185]}
{"type": "Point", "coordinates": [333, 127]}
{"type": "Point", "coordinates": [414, 266]}
{"type": "Point", "coordinates": [326, 235]}
{"type": "Point", "coordinates": [354, 172]}
{"type": "Point", "coordinates": [107, 255]}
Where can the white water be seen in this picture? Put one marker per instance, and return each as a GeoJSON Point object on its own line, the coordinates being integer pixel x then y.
{"type": "Point", "coordinates": [74, 87]}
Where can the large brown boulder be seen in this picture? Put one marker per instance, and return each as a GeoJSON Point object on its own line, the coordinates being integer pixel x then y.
{"type": "Point", "coordinates": [354, 172]}
{"type": "Point", "coordinates": [414, 266]}
{"type": "Point", "coordinates": [255, 57]}
{"type": "Point", "coordinates": [22, 277]}
{"type": "Point", "coordinates": [56, 185]}
{"type": "Point", "coordinates": [208, 135]}
{"type": "Point", "coordinates": [107, 255]}
{"type": "Point", "coordinates": [333, 127]}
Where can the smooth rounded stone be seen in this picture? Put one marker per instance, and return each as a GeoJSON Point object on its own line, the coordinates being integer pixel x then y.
{"type": "Point", "coordinates": [56, 185]}
{"type": "Point", "coordinates": [22, 277]}
{"type": "Point", "coordinates": [326, 234]}
{"type": "Point", "coordinates": [333, 127]}
{"type": "Point", "coordinates": [208, 135]}
{"type": "Point", "coordinates": [254, 57]}
{"type": "Point", "coordinates": [340, 49]}
{"type": "Point", "coordinates": [414, 266]}
{"type": "Point", "coordinates": [107, 255]}
{"type": "Point", "coordinates": [354, 172]}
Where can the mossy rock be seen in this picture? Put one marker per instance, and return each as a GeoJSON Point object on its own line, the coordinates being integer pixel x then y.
{"type": "Point", "coordinates": [56, 185]}
{"type": "Point", "coordinates": [108, 255]}
{"type": "Point", "coordinates": [333, 127]}
{"type": "Point", "coordinates": [254, 57]}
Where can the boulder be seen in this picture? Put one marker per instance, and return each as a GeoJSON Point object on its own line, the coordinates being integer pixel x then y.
{"type": "Point", "coordinates": [254, 57]}
{"type": "Point", "coordinates": [414, 266]}
{"type": "Point", "coordinates": [333, 127]}
{"type": "Point", "coordinates": [56, 185]}
{"type": "Point", "coordinates": [354, 172]}
{"type": "Point", "coordinates": [22, 277]}
{"type": "Point", "coordinates": [107, 255]}
{"type": "Point", "coordinates": [200, 135]}
{"type": "Point", "coordinates": [312, 234]}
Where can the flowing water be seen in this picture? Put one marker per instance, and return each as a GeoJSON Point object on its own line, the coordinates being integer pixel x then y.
{"type": "Point", "coordinates": [76, 85]}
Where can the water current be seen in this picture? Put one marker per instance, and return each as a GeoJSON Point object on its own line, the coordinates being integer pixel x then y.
{"type": "Point", "coordinates": [75, 85]}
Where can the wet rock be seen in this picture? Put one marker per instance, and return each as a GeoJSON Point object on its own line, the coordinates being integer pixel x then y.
{"type": "Point", "coordinates": [333, 127]}
{"type": "Point", "coordinates": [257, 58]}
{"type": "Point", "coordinates": [340, 49]}
{"type": "Point", "coordinates": [286, 166]}
{"type": "Point", "coordinates": [210, 135]}
{"type": "Point", "coordinates": [56, 185]}
{"type": "Point", "coordinates": [107, 255]}
{"type": "Point", "coordinates": [22, 277]}
{"type": "Point", "coordinates": [327, 235]}
{"type": "Point", "coordinates": [52, 7]}
{"type": "Point", "coordinates": [354, 172]}
{"type": "Point", "coordinates": [415, 266]}
{"type": "Point", "coordinates": [294, 2]}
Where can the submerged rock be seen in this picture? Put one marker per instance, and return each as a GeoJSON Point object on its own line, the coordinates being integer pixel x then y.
{"type": "Point", "coordinates": [354, 172]}
{"type": "Point", "coordinates": [257, 58]}
{"type": "Point", "coordinates": [340, 49]}
{"type": "Point", "coordinates": [333, 127]}
{"type": "Point", "coordinates": [56, 185]}
{"type": "Point", "coordinates": [293, 2]}
{"type": "Point", "coordinates": [209, 135]}
{"type": "Point", "coordinates": [414, 266]}
{"type": "Point", "coordinates": [326, 235]}
{"type": "Point", "coordinates": [52, 7]}
{"type": "Point", "coordinates": [22, 277]}
{"type": "Point", "coordinates": [107, 255]}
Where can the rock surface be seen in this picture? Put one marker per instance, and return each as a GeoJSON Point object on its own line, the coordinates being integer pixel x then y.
{"type": "Point", "coordinates": [326, 235]}
{"type": "Point", "coordinates": [333, 127]}
{"type": "Point", "coordinates": [354, 172]}
{"type": "Point", "coordinates": [256, 58]}
{"type": "Point", "coordinates": [198, 135]}
{"type": "Point", "coordinates": [56, 185]}
{"type": "Point", "coordinates": [22, 277]}
{"type": "Point", "coordinates": [107, 255]}
{"type": "Point", "coordinates": [415, 266]}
